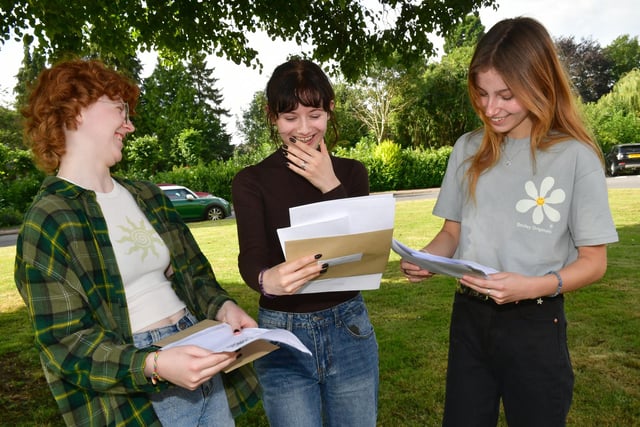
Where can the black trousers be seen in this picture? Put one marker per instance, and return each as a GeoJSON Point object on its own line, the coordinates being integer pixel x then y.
{"type": "Point", "coordinates": [515, 352]}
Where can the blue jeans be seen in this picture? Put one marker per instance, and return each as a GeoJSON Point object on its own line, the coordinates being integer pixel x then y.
{"type": "Point", "coordinates": [176, 406]}
{"type": "Point", "coordinates": [338, 385]}
{"type": "Point", "coordinates": [514, 352]}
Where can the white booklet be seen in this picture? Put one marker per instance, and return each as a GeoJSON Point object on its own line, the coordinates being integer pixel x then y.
{"type": "Point", "coordinates": [215, 336]}
{"type": "Point", "coordinates": [441, 265]}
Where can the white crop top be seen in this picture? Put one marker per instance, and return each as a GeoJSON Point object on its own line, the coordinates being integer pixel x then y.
{"type": "Point", "coordinates": [142, 259]}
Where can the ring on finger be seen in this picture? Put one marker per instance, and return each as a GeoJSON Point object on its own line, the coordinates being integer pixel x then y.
{"type": "Point", "coordinates": [302, 166]}
{"type": "Point", "coordinates": [488, 292]}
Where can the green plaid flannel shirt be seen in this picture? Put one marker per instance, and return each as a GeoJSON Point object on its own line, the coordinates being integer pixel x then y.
{"type": "Point", "coordinates": [67, 274]}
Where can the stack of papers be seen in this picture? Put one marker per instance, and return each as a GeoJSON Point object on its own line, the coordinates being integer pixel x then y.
{"type": "Point", "coordinates": [353, 235]}
{"type": "Point", "coordinates": [218, 337]}
{"type": "Point", "coordinates": [441, 265]}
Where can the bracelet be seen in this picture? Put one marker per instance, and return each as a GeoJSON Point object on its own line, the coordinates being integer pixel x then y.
{"type": "Point", "coordinates": [261, 284]}
{"type": "Point", "coordinates": [559, 288]}
{"type": "Point", "coordinates": [155, 378]}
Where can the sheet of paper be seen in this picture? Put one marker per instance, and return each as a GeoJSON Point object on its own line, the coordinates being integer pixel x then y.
{"type": "Point", "coordinates": [353, 283]}
{"type": "Point", "coordinates": [334, 226]}
{"type": "Point", "coordinates": [220, 338]}
{"type": "Point", "coordinates": [441, 265]}
{"type": "Point", "coordinates": [365, 213]}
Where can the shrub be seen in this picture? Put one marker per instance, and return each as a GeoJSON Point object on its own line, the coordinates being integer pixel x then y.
{"type": "Point", "coordinates": [10, 217]}
{"type": "Point", "coordinates": [391, 167]}
{"type": "Point", "coordinates": [423, 168]}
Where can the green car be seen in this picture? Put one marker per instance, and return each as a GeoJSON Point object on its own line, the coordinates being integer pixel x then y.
{"type": "Point", "coordinates": [196, 206]}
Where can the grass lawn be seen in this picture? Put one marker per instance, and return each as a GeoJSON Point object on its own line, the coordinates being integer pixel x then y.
{"type": "Point", "coordinates": [411, 324]}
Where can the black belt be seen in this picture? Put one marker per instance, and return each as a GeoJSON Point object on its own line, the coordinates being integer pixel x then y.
{"type": "Point", "coordinates": [467, 291]}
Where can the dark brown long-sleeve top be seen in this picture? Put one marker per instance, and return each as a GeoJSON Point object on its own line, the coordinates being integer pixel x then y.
{"type": "Point", "coordinates": [262, 195]}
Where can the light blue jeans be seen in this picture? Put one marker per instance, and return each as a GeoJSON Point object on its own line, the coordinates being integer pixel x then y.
{"type": "Point", "coordinates": [338, 385]}
{"type": "Point", "coordinates": [176, 406]}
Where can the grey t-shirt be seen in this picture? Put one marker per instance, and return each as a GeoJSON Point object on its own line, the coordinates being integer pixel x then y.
{"type": "Point", "coordinates": [525, 220]}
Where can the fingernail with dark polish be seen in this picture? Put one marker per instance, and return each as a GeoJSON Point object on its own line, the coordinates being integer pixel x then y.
{"type": "Point", "coordinates": [318, 256]}
{"type": "Point", "coordinates": [284, 147]}
{"type": "Point", "coordinates": [239, 356]}
{"type": "Point", "coordinates": [292, 139]}
{"type": "Point", "coordinates": [325, 266]}
{"type": "Point", "coordinates": [324, 270]}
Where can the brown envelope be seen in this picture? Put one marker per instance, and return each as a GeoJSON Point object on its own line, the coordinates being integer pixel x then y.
{"type": "Point", "coordinates": [373, 245]}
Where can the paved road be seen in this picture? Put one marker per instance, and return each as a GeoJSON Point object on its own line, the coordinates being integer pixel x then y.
{"type": "Point", "coordinates": [8, 237]}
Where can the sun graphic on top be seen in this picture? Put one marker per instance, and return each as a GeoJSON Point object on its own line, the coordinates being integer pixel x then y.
{"type": "Point", "coordinates": [142, 239]}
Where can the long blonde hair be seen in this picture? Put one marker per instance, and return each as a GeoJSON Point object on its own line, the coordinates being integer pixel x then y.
{"type": "Point", "coordinates": [523, 53]}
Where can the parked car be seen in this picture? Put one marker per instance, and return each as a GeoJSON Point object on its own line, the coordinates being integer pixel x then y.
{"type": "Point", "coordinates": [197, 206]}
{"type": "Point", "coordinates": [623, 157]}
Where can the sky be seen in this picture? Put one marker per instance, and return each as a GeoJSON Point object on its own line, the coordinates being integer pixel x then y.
{"type": "Point", "coordinates": [598, 20]}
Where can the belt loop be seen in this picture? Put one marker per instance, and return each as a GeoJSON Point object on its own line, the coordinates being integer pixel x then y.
{"type": "Point", "coordinates": [289, 321]}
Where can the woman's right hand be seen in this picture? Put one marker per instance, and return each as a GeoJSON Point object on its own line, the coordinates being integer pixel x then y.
{"type": "Point", "coordinates": [414, 273]}
{"type": "Point", "coordinates": [188, 366]}
{"type": "Point", "coordinates": [288, 277]}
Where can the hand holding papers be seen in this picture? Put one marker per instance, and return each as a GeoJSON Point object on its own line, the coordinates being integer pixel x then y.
{"type": "Point", "coordinates": [218, 337]}
{"type": "Point", "coordinates": [442, 265]}
{"type": "Point", "coordinates": [353, 235]}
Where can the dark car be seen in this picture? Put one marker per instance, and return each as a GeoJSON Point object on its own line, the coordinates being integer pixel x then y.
{"type": "Point", "coordinates": [193, 205]}
{"type": "Point", "coordinates": [623, 157]}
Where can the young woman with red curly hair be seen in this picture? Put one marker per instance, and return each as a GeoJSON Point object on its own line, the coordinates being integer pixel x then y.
{"type": "Point", "coordinates": [106, 268]}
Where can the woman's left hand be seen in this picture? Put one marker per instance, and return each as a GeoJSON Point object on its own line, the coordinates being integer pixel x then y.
{"type": "Point", "coordinates": [236, 317]}
{"type": "Point", "coordinates": [314, 165]}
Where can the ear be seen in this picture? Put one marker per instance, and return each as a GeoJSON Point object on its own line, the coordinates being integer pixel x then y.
{"type": "Point", "coordinates": [77, 121]}
{"type": "Point", "coordinates": [80, 116]}
{"type": "Point", "coordinates": [332, 105]}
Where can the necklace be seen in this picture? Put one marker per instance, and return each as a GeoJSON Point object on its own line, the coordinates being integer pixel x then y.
{"type": "Point", "coordinates": [508, 160]}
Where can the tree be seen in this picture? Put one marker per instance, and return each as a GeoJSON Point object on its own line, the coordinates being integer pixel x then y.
{"type": "Point", "coordinates": [350, 128]}
{"type": "Point", "coordinates": [626, 93]}
{"type": "Point", "coordinates": [32, 64]}
{"type": "Point", "coordinates": [588, 66]}
{"type": "Point", "coordinates": [624, 52]}
{"type": "Point", "coordinates": [378, 102]}
{"type": "Point", "coordinates": [350, 33]}
{"type": "Point", "coordinates": [615, 118]}
{"type": "Point", "coordinates": [143, 157]}
{"type": "Point", "coordinates": [467, 33]}
{"type": "Point", "coordinates": [254, 124]}
{"type": "Point", "coordinates": [179, 96]}
{"type": "Point", "coordinates": [440, 110]}
{"type": "Point", "coordinates": [10, 129]}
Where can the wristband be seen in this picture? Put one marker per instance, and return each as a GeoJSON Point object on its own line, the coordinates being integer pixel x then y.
{"type": "Point", "coordinates": [559, 288]}
{"type": "Point", "coordinates": [261, 284]}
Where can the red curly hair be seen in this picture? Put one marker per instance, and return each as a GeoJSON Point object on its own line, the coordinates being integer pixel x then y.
{"type": "Point", "coordinates": [59, 94]}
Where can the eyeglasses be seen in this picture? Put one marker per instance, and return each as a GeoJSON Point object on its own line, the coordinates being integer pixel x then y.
{"type": "Point", "coordinates": [124, 108]}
